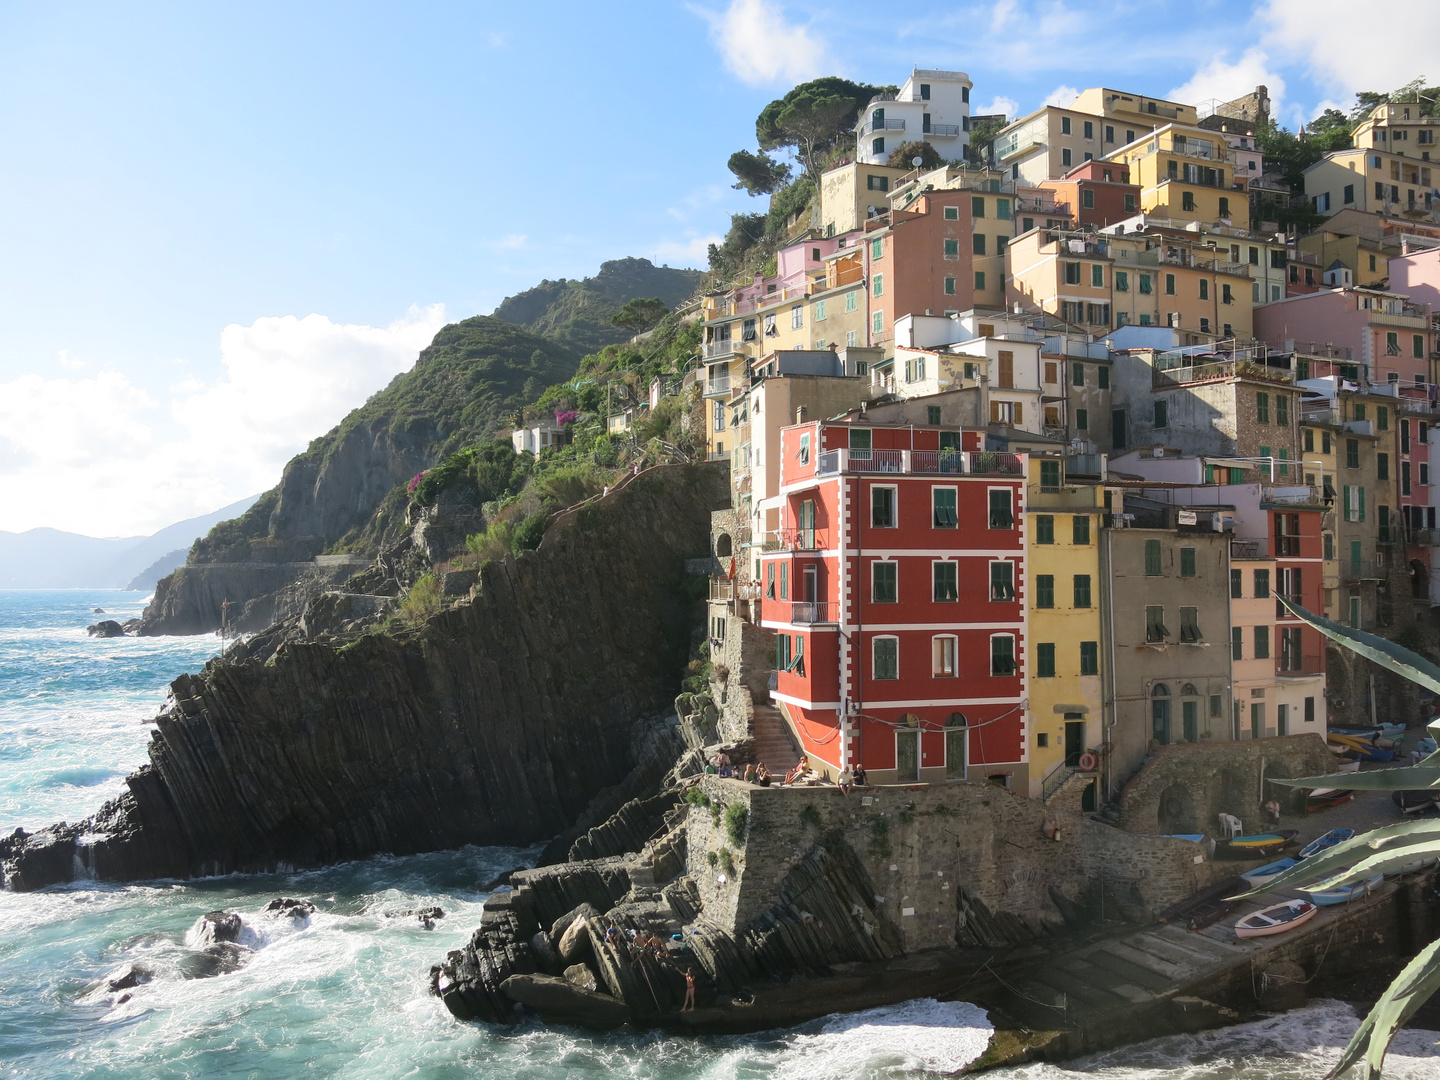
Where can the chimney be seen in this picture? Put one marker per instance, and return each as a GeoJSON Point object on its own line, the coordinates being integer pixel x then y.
{"type": "Point", "coordinates": [800, 411]}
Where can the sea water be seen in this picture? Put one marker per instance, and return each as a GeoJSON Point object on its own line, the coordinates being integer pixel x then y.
{"type": "Point", "coordinates": [344, 992]}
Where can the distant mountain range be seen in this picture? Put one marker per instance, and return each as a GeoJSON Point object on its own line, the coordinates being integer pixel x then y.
{"type": "Point", "coordinates": [51, 559]}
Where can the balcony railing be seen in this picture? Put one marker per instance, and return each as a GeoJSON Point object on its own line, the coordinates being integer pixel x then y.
{"type": "Point", "coordinates": [808, 612]}
{"type": "Point", "coordinates": [718, 385]}
{"type": "Point", "coordinates": [887, 125]}
{"type": "Point", "coordinates": [725, 589]}
{"type": "Point", "coordinates": [1180, 374]}
{"type": "Point", "coordinates": [1247, 549]}
{"type": "Point", "coordinates": [802, 539]}
{"type": "Point", "coordinates": [725, 347]}
{"type": "Point", "coordinates": [952, 462]}
{"type": "Point", "coordinates": [944, 130]}
{"type": "Point", "coordinates": [1310, 664]}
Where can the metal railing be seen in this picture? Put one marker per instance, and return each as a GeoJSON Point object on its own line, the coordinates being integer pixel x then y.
{"type": "Point", "coordinates": [1309, 664]}
{"type": "Point", "coordinates": [808, 612]}
{"type": "Point", "coordinates": [803, 539]}
{"type": "Point", "coordinates": [725, 589]}
{"type": "Point", "coordinates": [721, 348]}
{"type": "Point", "coordinates": [951, 462]}
{"type": "Point", "coordinates": [887, 125]}
{"type": "Point", "coordinates": [1217, 369]}
{"type": "Point", "coordinates": [944, 130]}
{"type": "Point", "coordinates": [1247, 549]}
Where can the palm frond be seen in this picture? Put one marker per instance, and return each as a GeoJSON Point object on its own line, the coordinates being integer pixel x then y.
{"type": "Point", "coordinates": [1408, 665]}
{"type": "Point", "coordinates": [1401, 1000]}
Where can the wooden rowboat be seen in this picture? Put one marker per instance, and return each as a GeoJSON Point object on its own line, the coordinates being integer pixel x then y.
{"type": "Point", "coordinates": [1275, 919]}
{"type": "Point", "coordinates": [1263, 875]}
{"type": "Point", "coordinates": [1322, 797]}
{"type": "Point", "coordinates": [1346, 893]}
{"type": "Point", "coordinates": [1415, 802]}
{"type": "Point", "coordinates": [1329, 840]}
{"type": "Point", "coordinates": [1254, 845]}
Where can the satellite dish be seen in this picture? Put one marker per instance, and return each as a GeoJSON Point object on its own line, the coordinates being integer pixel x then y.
{"type": "Point", "coordinates": [917, 161]}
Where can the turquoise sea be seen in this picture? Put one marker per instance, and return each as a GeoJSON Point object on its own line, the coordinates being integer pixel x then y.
{"type": "Point", "coordinates": [343, 994]}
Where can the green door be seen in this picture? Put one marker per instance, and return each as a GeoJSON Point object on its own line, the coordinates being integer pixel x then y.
{"type": "Point", "coordinates": [955, 754]}
{"type": "Point", "coordinates": [907, 755]}
{"type": "Point", "coordinates": [1190, 717]}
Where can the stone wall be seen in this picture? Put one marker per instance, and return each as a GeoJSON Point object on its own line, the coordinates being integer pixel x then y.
{"type": "Point", "coordinates": [928, 847]}
{"type": "Point", "coordinates": [1183, 787]}
{"type": "Point", "coordinates": [748, 657]}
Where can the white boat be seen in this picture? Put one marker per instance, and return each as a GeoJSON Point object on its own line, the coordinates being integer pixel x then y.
{"type": "Point", "coordinates": [1325, 897]}
{"type": "Point", "coordinates": [1275, 919]}
{"type": "Point", "coordinates": [1263, 875]}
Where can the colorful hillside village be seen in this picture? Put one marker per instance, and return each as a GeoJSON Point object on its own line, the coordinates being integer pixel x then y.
{"type": "Point", "coordinates": [1022, 455]}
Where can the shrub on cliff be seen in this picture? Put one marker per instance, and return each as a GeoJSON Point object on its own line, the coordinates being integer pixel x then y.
{"type": "Point", "coordinates": [737, 817]}
{"type": "Point", "coordinates": [422, 601]}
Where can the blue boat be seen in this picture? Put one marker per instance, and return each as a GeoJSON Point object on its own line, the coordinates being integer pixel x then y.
{"type": "Point", "coordinates": [1329, 840]}
{"type": "Point", "coordinates": [1263, 875]}
{"type": "Point", "coordinates": [1325, 897]}
{"type": "Point", "coordinates": [1193, 837]}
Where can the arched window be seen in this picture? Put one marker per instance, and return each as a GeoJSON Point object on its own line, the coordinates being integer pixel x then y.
{"type": "Point", "coordinates": [910, 720]}
{"type": "Point", "coordinates": [956, 719]}
{"type": "Point", "coordinates": [723, 546]}
{"type": "Point", "coordinates": [1188, 690]}
{"type": "Point", "coordinates": [1160, 714]}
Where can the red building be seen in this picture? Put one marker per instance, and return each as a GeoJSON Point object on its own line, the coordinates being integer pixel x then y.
{"type": "Point", "coordinates": [1297, 544]}
{"type": "Point", "coordinates": [1096, 193]}
{"type": "Point", "coordinates": [896, 589]}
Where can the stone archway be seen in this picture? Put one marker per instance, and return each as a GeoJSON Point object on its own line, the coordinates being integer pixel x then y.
{"type": "Point", "coordinates": [1292, 799]}
{"type": "Point", "coordinates": [1176, 812]}
{"type": "Point", "coordinates": [1234, 794]}
{"type": "Point", "coordinates": [724, 546]}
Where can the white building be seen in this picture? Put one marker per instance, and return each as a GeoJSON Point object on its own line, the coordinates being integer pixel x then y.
{"type": "Point", "coordinates": [933, 106]}
{"type": "Point", "coordinates": [532, 440]}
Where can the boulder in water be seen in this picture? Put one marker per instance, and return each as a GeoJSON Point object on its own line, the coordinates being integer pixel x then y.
{"type": "Point", "coordinates": [581, 977]}
{"type": "Point", "coordinates": [129, 976]}
{"type": "Point", "coordinates": [98, 611]}
{"type": "Point", "coordinates": [217, 927]}
{"type": "Point", "coordinates": [284, 907]}
{"type": "Point", "coordinates": [575, 944]}
{"type": "Point", "coordinates": [546, 954]}
{"type": "Point", "coordinates": [557, 1000]}
{"type": "Point", "coordinates": [106, 628]}
{"type": "Point", "coordinates": [218, 959]}
{"type": "Point", "coordinates": [429, 915]}
{"type": "Point", "coordinates": [560, 925]}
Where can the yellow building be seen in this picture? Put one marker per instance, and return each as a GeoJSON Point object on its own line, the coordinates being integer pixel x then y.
{"type": "Point", "coordinates": [847, 193]}
{"type": "Point", "coordinates": [1397, 129]}
{"type": "Point", "coordinates": [1062, 553]}
{"type": "Point", "coordinates": [1185, 173]}
{"type": "Point", "coordinates": [1373, 182]}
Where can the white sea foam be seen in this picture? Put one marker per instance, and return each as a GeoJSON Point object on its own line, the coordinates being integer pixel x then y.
{"type": "Point", "coordinates": [916, 1037]}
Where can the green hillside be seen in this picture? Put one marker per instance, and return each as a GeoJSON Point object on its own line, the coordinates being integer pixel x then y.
{"type": "Point", "coordinates": [577, 313]}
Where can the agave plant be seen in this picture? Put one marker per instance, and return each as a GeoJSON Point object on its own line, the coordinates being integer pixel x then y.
{"type": "Point", "coordinates": [1379, 851]}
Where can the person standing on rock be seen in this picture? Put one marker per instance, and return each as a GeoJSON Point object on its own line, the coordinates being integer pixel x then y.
{"type": "Point", "coordinates": [689, 1005]}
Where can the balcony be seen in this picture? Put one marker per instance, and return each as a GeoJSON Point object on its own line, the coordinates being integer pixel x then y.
{"type": "Point", "coordinates": [799, 540]}
{"type": "Point", "coordinates": [717, 384]}
{"type": "Point", "coordinates": [812, 612]}
{"type": "Point", "coordinates": [1409, 317]}
{"type": "Point", "coordinates": [945, 131]}
{"type": "Point", "coordinates": [723, 589]}
{"type": "Point", "coordinates": [718, 349]}
{"type": "Point", "coordinates": [1308, 666]}
{"type": "Point", "coordinates": [887, 125]}
{"type": "Point", "coordinates": [949, 462]}
{"type": "Point", "coordinates": [1247, 549]}
{"type": "Point", "coordinates": [1180, 374]}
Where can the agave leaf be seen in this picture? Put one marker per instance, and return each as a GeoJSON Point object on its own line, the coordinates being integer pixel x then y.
{"type": "Point", "coordinates": [1409, 778]}
{"type": "Point", "coordinates": [1401, 1000]}
{"type": "Point", "coordinates": [1347, 852]}
{"type": "Point", "coordinates": [1384, 862]}
{"type": "Point", "coordinates": [1387, 654]}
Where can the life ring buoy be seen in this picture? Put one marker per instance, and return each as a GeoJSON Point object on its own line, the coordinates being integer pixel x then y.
{"type": "Point", "coordinates": [1088, 762]}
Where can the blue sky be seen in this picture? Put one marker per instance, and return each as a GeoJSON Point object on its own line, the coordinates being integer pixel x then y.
{"type": "Point", "coordinates": [225, 226]}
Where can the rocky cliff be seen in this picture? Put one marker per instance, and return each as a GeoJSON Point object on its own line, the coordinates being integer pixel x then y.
{"type": "Point", "coordinates": [496, 722]}
{"type": "Point", "coordinates": [330, 497]}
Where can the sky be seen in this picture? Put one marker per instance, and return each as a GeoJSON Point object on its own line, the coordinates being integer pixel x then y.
{"type": "Point", "coordinates": [224, 226]}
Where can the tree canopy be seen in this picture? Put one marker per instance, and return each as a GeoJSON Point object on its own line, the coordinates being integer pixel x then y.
{"type": "Point", "coordinates": [812, 116]}
{"type": "Point", "coordinates": [904, 155]}
{"type": "Point", "coordinates": [641, 313]}
{"type": "Point", "coordinates": [757, 174]}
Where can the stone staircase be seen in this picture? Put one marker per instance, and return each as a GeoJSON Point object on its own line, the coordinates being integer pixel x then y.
{"type": "Point", "coordinates": [774, 745]}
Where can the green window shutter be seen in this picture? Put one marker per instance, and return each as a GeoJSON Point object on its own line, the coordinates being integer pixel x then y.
{"type": "Point", "coordinates": [1187, 562]}
{"type": "Point", "coordinates": [1152, 558]}
{"type": "Point", "coordinates": [1077, 374]}
{"type": "Point", "coordinates": [1089, 658]}
{"type": "Point", "coordinates": [1082, 590]}
{"type": "Point", "coordinates": [1045, 660]}
{"type": "Point", "coordinates": [1347, 502]}
{"type": "Point", "coordinates": [1362, 504]}
{"type": "Point", "coordinates": [1080, 529]}
{"type": "Point", "coordinates": [1044, 590]}
{"type": "Point", "coordinates": [1237, 643]}
{"type": "Point", "coordinates": [1044, 529]}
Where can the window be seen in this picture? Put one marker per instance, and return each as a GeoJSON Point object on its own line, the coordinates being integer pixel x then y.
{"type": "Point", "coordinates": [884, 583]}
{"type": "Point", "coordinates": [1190, 625]}
{"type": "Point", "coordinates": [1155, 624]}
{"type": "Point", "coordinates": [1187, 562]}
{"type": "Point", "coordinates": [877, 147]}
{"type": "Point", "coordinates": [1080, 529]}
{"type": "Point", "coordinates": [1237, 584]}
{"type": "Point", "coordinates": [1065, 125]}
{"type": "Point", "coordinates": [1103, 377]}
{"type": "Point", "coordinates": [1169, 285]}
{"type": "Point", "coordinates": [945, 579]}
{"type": "Point", "coordinates": [1152, 558]}
{"type": "Point", "coordinates": [1130, 202]}
{"type": "Point", "coordinates": [877, 183]}
{"type": "Point", "coordinates": [1044, 589]}
{"type": "Point", "coordinates": [1224, 212]}
{"type": "Point", "coordinates": [1045, 529]}
{"type": "Point", "coordinates": [1352, 453]}
{"type": "Point", "coordinates": [980, 280]}
{"type": "Point", "coordinates": [1045, 660]}
{"type": "Point", "coordinates": [943, 650]}
{"type": "Point", "coordinates": [1226, 297]}
{"type": "Point", "coordinates": [949, 286]}
{"type": "Point", "coordinates": [1282, 410]}
{"type": "Point", "coordinates": [877, 248]}
{"type": "Point", "coordinates": [1262, 643]}
{"type": "Point", "coordinates": [1002, 581]}
{"type": "Point", "coordinates": [1382, 467]}
{"type": "Point", "coordinates": [877, 323]}
{"type": "Point", "coordinates": [1097, 276]}
{"type": "Point", "coordinates": [1122, 281]}
{"type": "Point", "coordinates": [1072, 273]}
{"type": "Point", "coordinates": [805, 448]}
{"type": "Point", "coordinates": [878, 285]}
{"type": "Point", "coordinates": [1417, 346]}
{"type": "Point", "coordinates": [1001, 509]}
{"type": "Point", "coordinates": [977, 244]}
{"type": "Point", "coordinates": [932, 414]}
{"type": "Point", "coordinates": [1392, 344]}
{"type": "Point", "coordinates": [1002, 654]}
{"type": "Point", "coordinates": [1237, 642]}
{"type": "Point", "coordinates": [783, 657]}
{"type": "Point", "coordinates": [819, 315]}
{"type": "Point", "coordinates": [1089, 658]}
{"type": "Point", "coordinates": [784, 581]}
{"type": "Point", "coordinates": [1049, 476]}
{"type": "Point", "coordinates": [952, 249]}
{"type": "Point", "coordinates": [886, 663]}
{"type": "Point", "coordinates": [977, 206]}
{"type": "Point", "coordinates": [1065, 157]}
{"type": "Point", "coordinates": [1187, 200]}
{"type": "Point", "coordinates": [1162, 414]}
{"type": "Point", "coordinates": [770, 581]}
{"type": "Point", "coordinates": [1204, 289]}
{"type": "Point", "coordinates": [1262, 584]}
{"type": "Point", "coordinates": [1082, 419]}
{"type": "Point", "coordinates": [1082, 590]}
{"type": "Point", "coordinates": [1002, 211]}
{"type": "Point", "coordinates": [882, 506]}
{"type": "Point", "coordinates": [952, 213]}
{"type": "Point", "coordinates": [1145, 283]}
{"type": "Point", "coordinates": [852, 300]}
{"type": "Point", "coordinates": [797, 317]}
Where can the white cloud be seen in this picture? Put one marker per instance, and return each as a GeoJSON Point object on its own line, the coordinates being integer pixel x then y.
{"type": "Point", "coordinates": [1009, 106]}
{"type": "Point", "coordinates": [513, 242]}
{"type": "Point", "coordinates": [70, 363]}
{"type": "Point", "coordinates": [759, 47]}
{"type": "Point", "coordinates": [692, 251]}
{"type": "Point", "coordinates": [102, 456]}
{"type": "Point", "coordinates": [1222, 80]}
{"type": "Point", "coordinates": [1062, 96]}
{"type": "Point", "coordinates": [1349, 51]}
{"type": "Point", "coordinates": [1004, 13]}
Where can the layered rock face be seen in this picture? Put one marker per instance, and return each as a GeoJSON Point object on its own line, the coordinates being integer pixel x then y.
{"type": "Point", "coordinates": [497, 722]}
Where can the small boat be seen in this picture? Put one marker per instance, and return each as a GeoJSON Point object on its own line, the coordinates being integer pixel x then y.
{"type": "Point", "coordinates": [1255, 845]}
{"type": "Point", "coordinates": [1263, 875]}
{"type": "Point", "coordinates": [1328, 840]}
{"type": "Point", "coordinates": [1348, 763]}
{"type": "Point", "coordinates": [1275, 919]}
{"type": "Point", "coordinates": [1408, 868]}
{"type": "Point", "coordinates": [1193, 837]}
{"type": "Point", "coordinates": [1322, 797]}
{"type": "Point", "coordinates": [1415, 802]}
{"type": "Point", "coordinates": [1206, 907]}
{"type": "Point", "coordinates": [1326, 897]}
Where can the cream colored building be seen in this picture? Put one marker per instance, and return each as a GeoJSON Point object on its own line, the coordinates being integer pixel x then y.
{"type": "Point", "coordinates": [1185, 173]}
{"type": "Point", "coordinates": [1372, 181]}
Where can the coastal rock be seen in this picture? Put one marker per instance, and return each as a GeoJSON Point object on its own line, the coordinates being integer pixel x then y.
{"type": "Point", "coordinates": [219, 959]}
{"type": "Point", "coordinates": [129, 976]}
{"type": "Point", "coordinates": [498, 721]}
{"type": "Point", "coordinates": [581, 977]}
{"type": "Point", "coordinates": [575, 945]}
{"type": "Point", "coordinates": [215, 927]}
{"type": "Point", "coordinates": [564, 922]}
{"type": "Point", "coordinates": [286, 908]}
{"type": "Point", "coordinates": [560, 1001]}
{"type": "Point", "coordinates": [546, 955]}
{"type": "Point", "coordinates": [106, 628]}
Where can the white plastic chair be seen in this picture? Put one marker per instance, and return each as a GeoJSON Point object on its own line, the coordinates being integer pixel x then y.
{"type": "Point", "coordinates": [1230, 826]}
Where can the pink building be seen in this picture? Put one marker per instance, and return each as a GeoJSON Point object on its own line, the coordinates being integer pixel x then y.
{"type": "Point", "coordinates": [1416, 274]}
{"type": "Point", "coordinates": [1389, 339]}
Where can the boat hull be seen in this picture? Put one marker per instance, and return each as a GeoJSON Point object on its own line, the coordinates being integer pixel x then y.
{"type": "Point", "coordinates": [1275, 919]}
